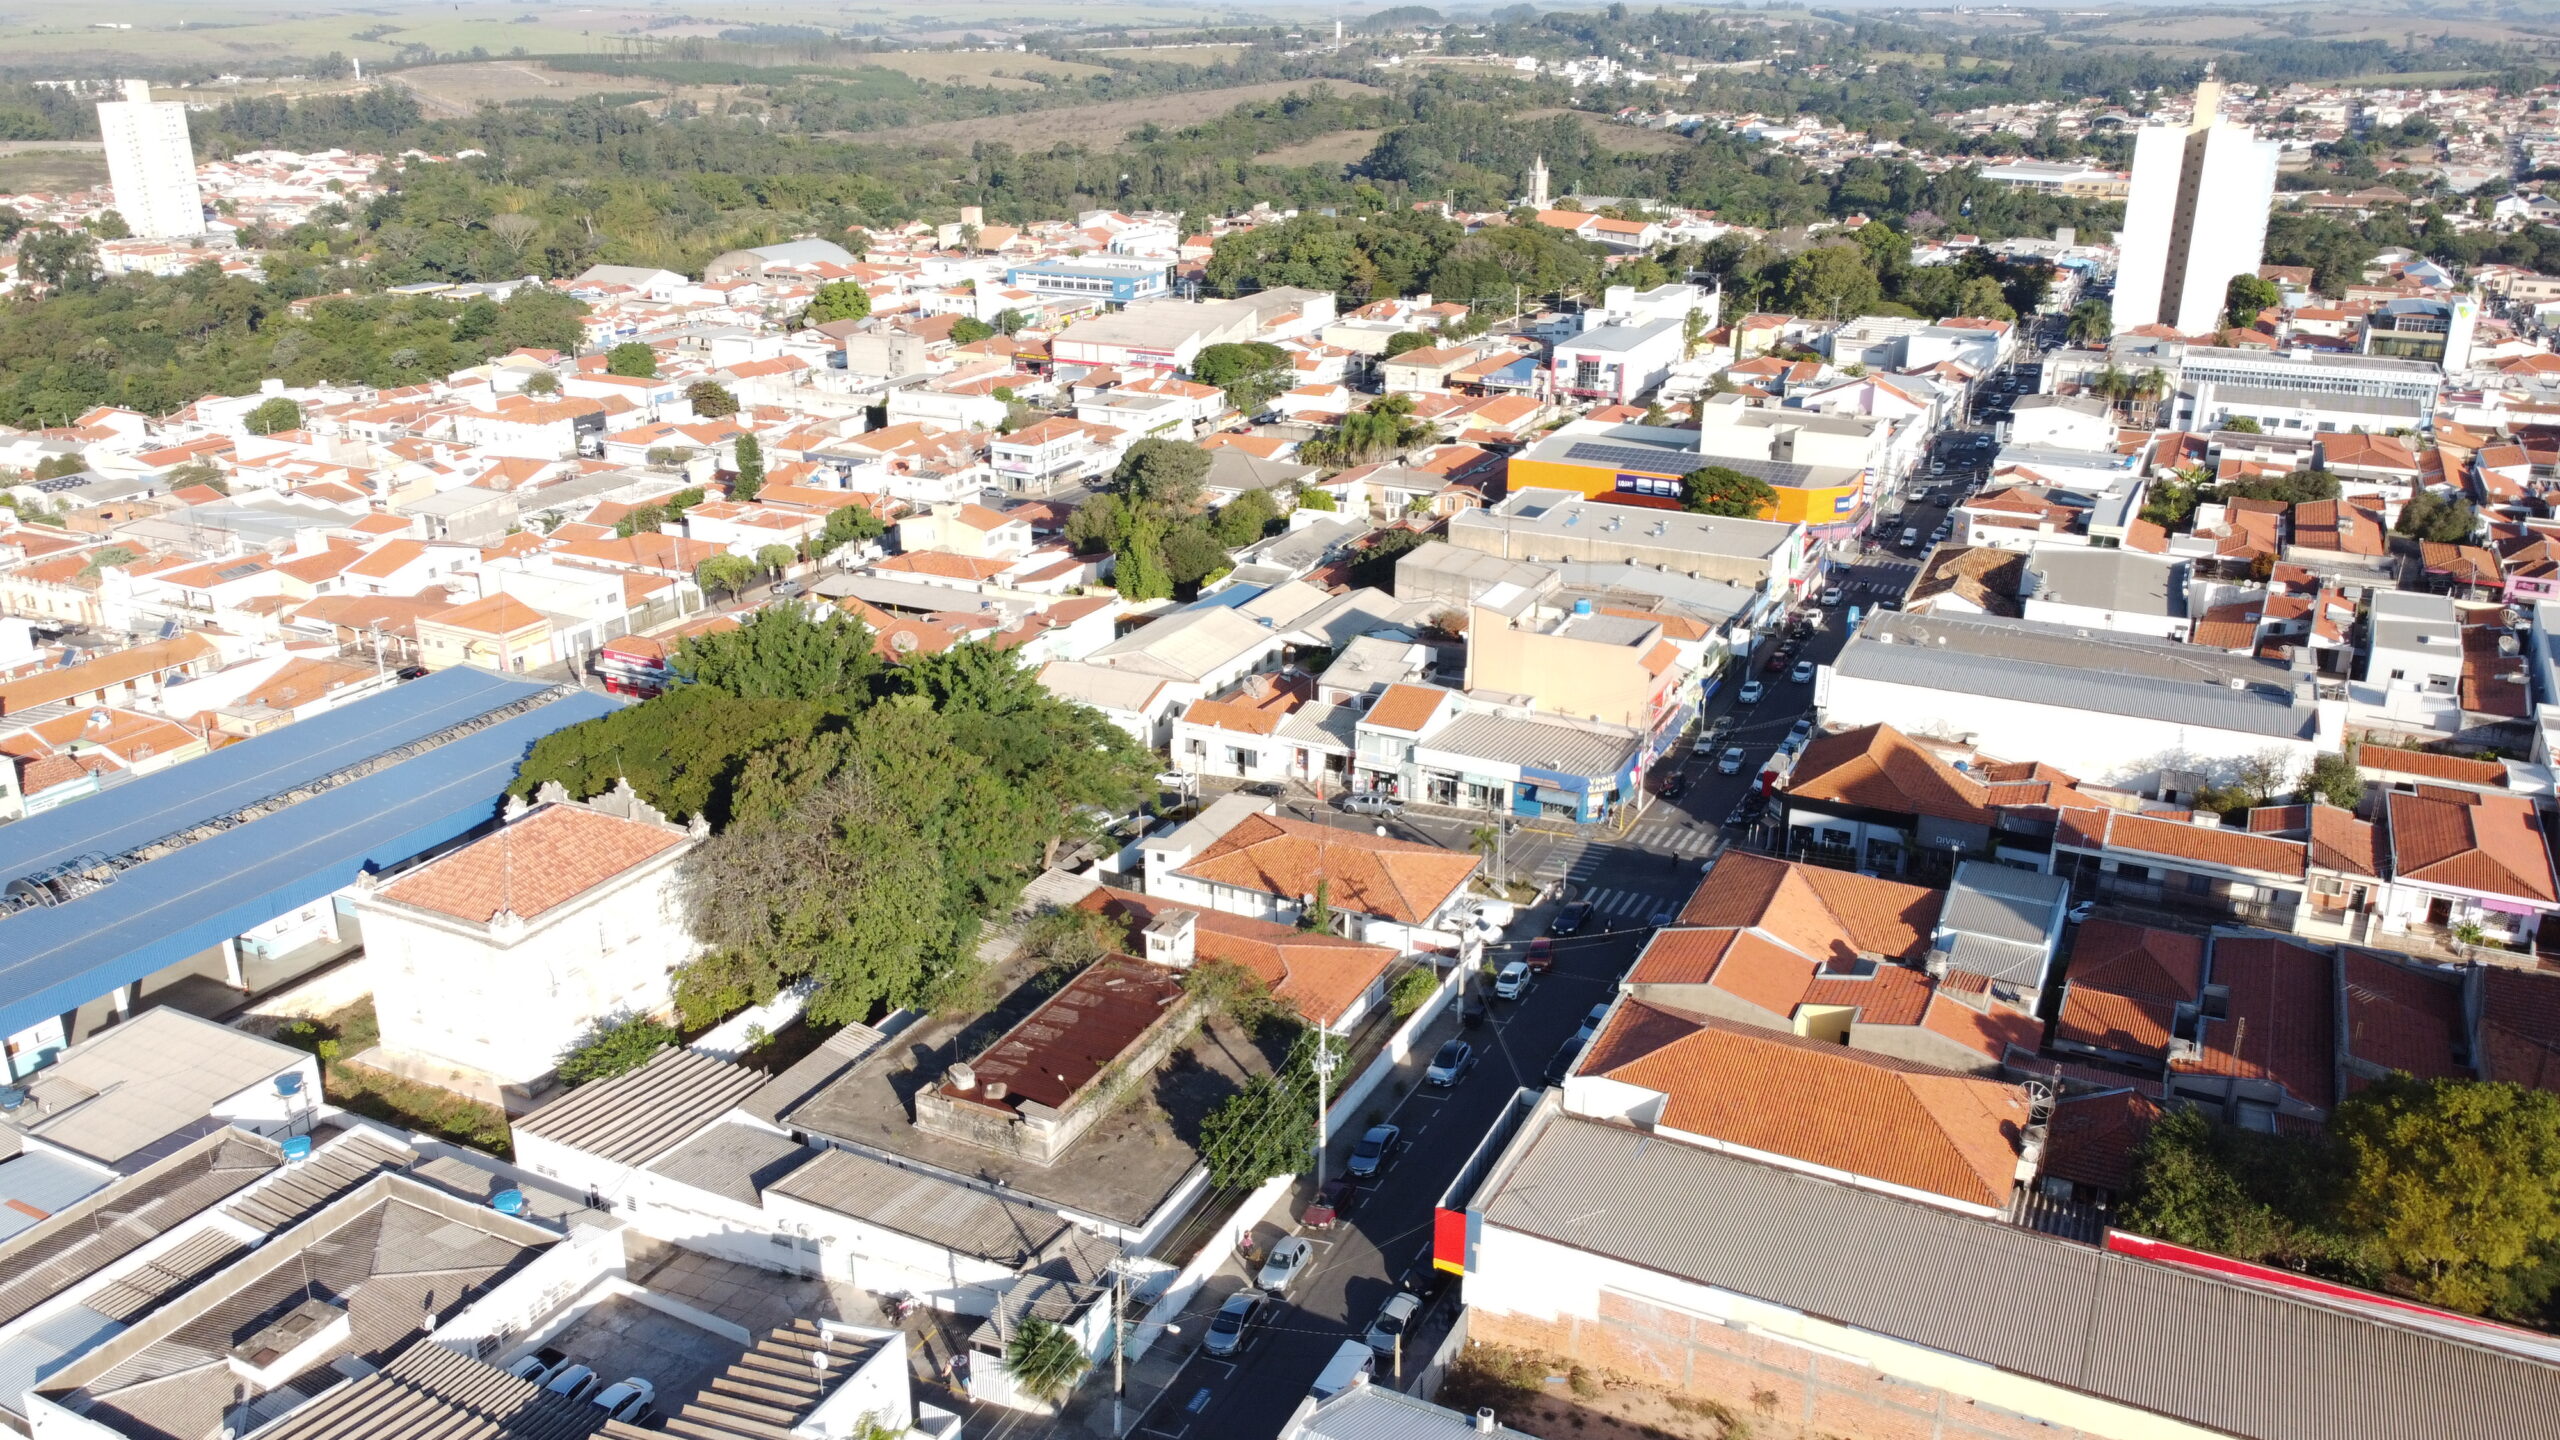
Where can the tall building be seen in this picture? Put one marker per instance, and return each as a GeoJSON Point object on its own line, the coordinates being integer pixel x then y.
{"type": "Point", "coordinates": [151, 163]}
{"type": "Point", "coordinates": [2195, 217]}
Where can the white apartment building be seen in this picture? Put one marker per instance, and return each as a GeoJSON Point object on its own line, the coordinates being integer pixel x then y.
{"type": "Point", "coordinates": [2196, 216]}
{"type": "Point", "coordinates": [151, 164]}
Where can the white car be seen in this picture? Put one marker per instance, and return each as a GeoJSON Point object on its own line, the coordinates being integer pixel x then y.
{"type": "Point", "coordinates": [1288, 1258]}
{"type": "Point", "coordinates": [1803, 673]}
{"type": "Point", "coordinates": [628, 1401]}
{"type": "Point", "coordinates": [1832, 596]}
{"type": "Point", "coordinates": [574, 1381]}
{"type": "Point", "coordinates": [1731, 761]}
{"type": "Point", "coordinates": [1513, 982]}
{"type": "Point", "coordinates": [1387, 1332]}
{"type": "Point", "coordinates": [1751, 692]}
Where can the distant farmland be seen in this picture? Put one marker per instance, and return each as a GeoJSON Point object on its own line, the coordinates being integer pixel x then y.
{"type": "Point", "coordinates": [1098, 125]}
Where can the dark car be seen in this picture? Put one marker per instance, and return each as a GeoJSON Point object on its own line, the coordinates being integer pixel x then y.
{"type": "Point", "coordinates": [1673, 786]}
{"type": "Point", "coordinates": [1562, 1064]}
{"type": "Point", "coordinates": [1776, 662]}
{"type": "Point", "coordinates": [1570, 919]}
{"type": "Point", "coordinates": [1332, 1203]}
{"type": "Point", "coordinates": [1371, 1154]}
{"type": "Point", "coordinates": [1542, 955]}
{"type": "Point", "coordinates": [411, 672]}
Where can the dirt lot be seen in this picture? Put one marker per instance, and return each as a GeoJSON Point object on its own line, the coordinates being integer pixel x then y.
{"type": "Point", "coordinates": [460, 89]}
{"type": "Point", "coordinates": [1554, 1399]}
{"type": "Point", "coordinates": [1613, 136]}
{"type": "Point", "coordinates": [1177, 54]}
{"type": "Point", "coordinates": [1342, 147]}
{"type": "Point", "coordinates": [51, 165]}
{"type": "Point", "coordinates": [1097, 125]}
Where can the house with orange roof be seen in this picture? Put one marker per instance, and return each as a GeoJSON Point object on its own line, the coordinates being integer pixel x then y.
{"type": "Point", "coordinates": [2132, 991]}
{"type": "Point", "coordinates": [2264, 1049]}
{"type": "Point", "coordinates": [2463, 858]}
{"type": "Point", "coordinates": [747, 529]}
{"type": "Point", "coordinates": [1882, 800]}
{"type": "Point", "coordinates": [1270, 727]}
{"type": "Point", "coordinates": [2187, 860]}
{"type": "Point", "coordinates": [405, 567]}
{"type": "Point", "coordinates": [1874, 1121]}
{"type": "Point", "coordinates": [499, 633]}
{"type": "Point", "coordinates": [494, 958]}
{"type": "Point", "coordinates": [1327, 979]}
{"type": "Point", "coordinates": [541, 427]}
{"type": "Point", "coordinates": [1242, 858]}
{"type": "Point", "coordinates": [119, 677]}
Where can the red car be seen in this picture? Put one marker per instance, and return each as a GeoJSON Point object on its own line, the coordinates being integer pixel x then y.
{"type": "Point", "coordinates": [1542, 955]}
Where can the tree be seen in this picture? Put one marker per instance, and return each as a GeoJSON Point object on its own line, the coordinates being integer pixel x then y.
{"type": "Point", "coordinates": [2186, 1191]}
{"type": "Point", "coordinates": [109, 225]}
{"type": "Point", "coordinates": [774, 559]}
{"type": "Point", "coordinates": [2092, 321]}
{"type": "Point", "coordinates": [2245, 296]}
{"type": "Point", "coordinates": [748, 482]}
{"type": "Point", "coordinates": [2457, 1182]}
{"type": "Point", "coordinates": [837, 300]}
{"type": "Point", "coordinates": [106, 555]}
{"type": "Point", "coordinates": [58, 260]}
{"type": "Point", "coordinates": [614, 1046]}
{"type": "Point", "coordinates": [1244, 519]}
{"type": "Point", "coordinates": [969, 330]}
{"type": "Point", "coordinates": [1138, 571]}
{"type": "Point", "coordinates": [724, 574]}
{"type": "Point", "coordinates": [1250, 373]}
{"type": "Point", "coordinates": [2433, 515]}
{"type": "Point", "coordinates": [1375, 566]}
{"type": "Point", "coordinates": [849, 525]}
{"type": "Point", "coordinates": [2242, 425]}
{"type": "Point", "coordinates": [1162, 475]}
{"type": "Point", "coordinates": [1983, 299]}
{"type": "Point", "coordinates": [2263, 776]}
{"type": "Point", "coordinates": [1412, 990]}
{"type": "Point", "coordinates": [633, 359]}
{"type": "Point", "coordinates": [1405, 340]}
{"type": "Point", "coordinates": [1312, 498]}
{"type": "Point", "coordinates": [270, 416]}
{"type": "Point", "coordinates": [1833, 281]}
{"type": "Point", "coordinates": [711, 399]}
{"type": "Point", "coordinates": [542, 382]}
{"type": "Point", "coordinates": [1044, 1358]}
{"type": "Point", "coordinates": [1317, 918]}
{"type": "Point", "coordinates": [782, 654]}
{"type": "Point", "coordinates": [2334, 780]}
{"type": "Point", "coordinates": [1723, 490]}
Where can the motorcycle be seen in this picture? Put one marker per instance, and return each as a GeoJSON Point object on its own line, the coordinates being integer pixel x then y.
{"type": "Point", "coordinates": [899, 1304]}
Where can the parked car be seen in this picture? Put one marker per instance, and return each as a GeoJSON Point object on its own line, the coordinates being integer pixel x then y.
{"type": "Point", "coordinates": [577, 1382]}
{"type": "Point", "coordinates": [1332, 1203]}
{"type": "Point", "coordinates": [1752, 690]}
{"type": "Point", "coordinates": [1371, 1153]}
{"type": "Point", "coordinates": [1542, 954]}
{"type": "Point", "coordinates": [1570, 918]}
{"type": "Point", "coordinates": [1352, 1362]}
{"type": "Point", "coordinates": [1801, 731]}
{"type": "Point", "coordinates": [1591, 1022]}
{"type": "Point", "coordinates": [627, 1400]}
{"type": "Point", "coordinates": [1386, 1334]}
{"type": "Point", "coordinates": [1803, 673]}
{"type": "Point", "coordinates": [1776, 662]}
{"type": "Point", "coordinates": [1673, 786]}
{"type": "Point", "coordinates": [1730, 763]}
{"type": "Point", "coordinates": [2081, 912]}
{"type": "Point", "coordinates": [1288, 1258]}
{"type": "Point", "coordinates": [1513, 982]}
{"type": "Point", "coordinates": [1378, 805]}
{"type": "Point", "coordinates": [1451, 1064]}
{"type": "Point", "coordinates": [537, 1367]}
{"type": "Point", "coordinates": [1227, 1328]}
{"type": "Point", "coordinates": [1560, 1064]}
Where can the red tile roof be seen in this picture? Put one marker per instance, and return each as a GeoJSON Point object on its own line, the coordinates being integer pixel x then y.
{"type": "Point", "coordinates": [1362, 873]}
{"type": "Point", "coordinates": [545, 860]}
{"type": "Point", "coordinates": [2282, 1019]}
{"type": "Point", "coordinates": [1822, 914]}
{"type": "Point", "coordinates": [2404, 1017]}
{"type": "Point", "coordinates": [1846, 1110]}
{"type": "Point", "coordinates": [2471, 840]}
{"type": "Point", "coordinates": [1320, 975]}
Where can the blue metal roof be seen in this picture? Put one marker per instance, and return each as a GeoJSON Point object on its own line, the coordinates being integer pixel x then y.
{"type": "Point", "coordinates": [162, 911]}
{"type": "Point", "coordinates": [146, 809]}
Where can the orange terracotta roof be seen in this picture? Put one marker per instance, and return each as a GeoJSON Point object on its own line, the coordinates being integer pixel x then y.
{"type": "Point", "coordinates": [2403, 1017]}
{"type": "Point", "coordinates": [2471, 840]}
{"type": "Point", "coordinates": [1362, 873]}
{"type": "Point", "coordinates": [1322, 976]}
{"type": "Point", "coordinates": [1823, 914]}
{"type": "Point", "coordinates": [543, 861]}
{"type": "Point", "coordinates": [1845, 1110]}
{"type": "Point", "coordinates": [2204, 844]}
{"type": "Point", "coordinates": [2428, 765]}
{"type": "Point", "coordinates": [495, 615]}
{"type": "Point", "coordinates": [1407, 708]}
{"type": "Point", "coordinates": [2282, 1019]}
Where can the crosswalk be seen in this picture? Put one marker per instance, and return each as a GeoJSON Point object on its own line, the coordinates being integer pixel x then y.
{"type": "Point", "coordinates": [1627, 904]}
{"type": "Point", "coordinates": [1678, 837]}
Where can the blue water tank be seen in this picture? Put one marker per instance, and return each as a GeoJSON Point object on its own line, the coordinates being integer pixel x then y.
{"type": "Point", "coordinates": [1582, 606]}
{"type": "Point", "coordinates": [508, 1202]}
{"type": "Point", "coordinates": [289, 1084]}
{"type": "Point", "coordinates": [1964, 765]}
{"type": "Point", "coordinates": [297, 1149]}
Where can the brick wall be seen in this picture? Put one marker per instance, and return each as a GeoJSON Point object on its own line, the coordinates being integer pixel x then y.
{"type": "Point", "coordinates": [1788, 1392]}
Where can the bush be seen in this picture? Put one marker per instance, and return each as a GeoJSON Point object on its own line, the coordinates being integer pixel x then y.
{"type": "Point", "coordinates": [616, 1046]}
{"type": "Point", "coordinates": [1412, 990]}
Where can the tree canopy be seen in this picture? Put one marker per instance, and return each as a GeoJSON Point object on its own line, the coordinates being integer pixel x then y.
{"type": "Point", "coordinates": [1250, 372]}
{"type": "Point", "coordinates": [837, 300]}
{"type": "Point", "coordinates": [1723, 490]}
{"type": "Point", "coordinates": [631, 358]}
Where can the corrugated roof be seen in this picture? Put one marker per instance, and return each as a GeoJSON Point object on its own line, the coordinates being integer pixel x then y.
{"type": "Point", "coordinates": [1541, 744]}
{"type": "Point", "coordinates": [930, 1208]}
{"type": "Point", "coordinates": [2223, 1356]}
{"type": "Point", "coordinates": [163, 910]}
{"type": "Point", "coordinates": [636, 1117]}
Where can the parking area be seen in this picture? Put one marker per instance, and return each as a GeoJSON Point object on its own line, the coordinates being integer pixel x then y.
{"type": "Point", "coordinates": [622, 1337]}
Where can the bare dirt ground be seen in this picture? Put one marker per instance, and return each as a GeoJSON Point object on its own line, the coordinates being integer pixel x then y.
{"type": "Point", "coordinates": [1098, 125]}
{"type": "Point", "coordinates": [461, 89]}
{"type": "Point", "coordinates": [1342, 147]}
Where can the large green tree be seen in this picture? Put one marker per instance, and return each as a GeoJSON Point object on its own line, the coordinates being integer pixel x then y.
{"type": "Point", "coordinates": [837, 300]}
{"type": "Point", "coordinates": [1162, 475]}
{"type": "Point", "coordinates": [2245, 297]}
{"type": "Point", "coordinates": [1250, 372]}
{"type": "Point", "coordinates": [2458, 1183]}
{"type": "Point", "coordinates": [1723, 490]}
{"type": "Point", "coordinates": [748, 480]}
{"type": "Point", "coordinates": [631, 359]}
{"type": "Point", "coordinates": [781, 654]}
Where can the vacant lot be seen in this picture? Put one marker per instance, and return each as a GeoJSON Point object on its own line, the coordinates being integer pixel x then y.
{"type": "Point", "coordinates": [978, 67]}
{"type": "Point", "coordinates": [460, 89]}
{"type": "Point", "coordinates": [1097, 125]}
{"type": "Point", "coordinates": [1610, 135]}
{"type": "Point", "coordinates": [51, 165]}
{"type": "Point", "coordinates": [1342, 147]}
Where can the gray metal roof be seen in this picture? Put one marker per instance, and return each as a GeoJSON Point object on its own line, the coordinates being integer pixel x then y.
{"type": "Point", "coordinates": [811, 1072]}
{"type": "Point", "coordinates": [1545, 744]}
{"type": "Point", "coordinates": [2071, 668]}
{"type": "Point", "coordinates": [2388, 406]}
{"type": "Point", "coordinates": [60, 1253]}
{"type": "Point", "coordinates": [1613, 338]}
{"type": "Point", "coordinates": [2223, 1356]}
{"type": "Point", "coordinates": [36, 1183]}
{"type": "Point", "coordinates": [733, 1160]}
{"type": "Point", "coordinates": [634, 1118]}
{"type": "Point", "coordinates": [930, 1208]}
{"type": "Point", "coordinates": [2002, 901]}
{"type": "Point", "coordinates": [2122, 580]}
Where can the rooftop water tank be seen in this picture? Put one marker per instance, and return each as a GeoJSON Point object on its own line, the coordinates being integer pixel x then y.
{"type": "Point", "coordinates": [289, 1084]}
{"type": "Point", "coordinates": [1582, 607]}
{"type": "Point", "coordinates": [508, 1202]}
{"type": "Point", "coordinates": [297, 1149]}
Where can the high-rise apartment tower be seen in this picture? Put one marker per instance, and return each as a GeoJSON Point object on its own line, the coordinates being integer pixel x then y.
{"type": "Point", "coordinates": [151, 163]}
{"type": "Point", "coordinates": [2195, 217]}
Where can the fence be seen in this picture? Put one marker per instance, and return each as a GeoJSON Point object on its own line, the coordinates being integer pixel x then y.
{"type": "Point", "coordinates": [1213, 1252]}
{"type": "Point", "coordinates": [1398, 1048]}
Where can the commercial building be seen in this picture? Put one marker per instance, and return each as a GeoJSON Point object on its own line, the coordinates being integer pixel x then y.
{"type": "Point", "coordinates": [1119, 281]}
{"type": "Point", "coordinates": [1617, 359]}
{"type": "Point", "coordinates": [151, 163]}
{"type": "Point", "coordinates": [209, 882]}
{"type": "Point", "coordinates": [2195, 215]}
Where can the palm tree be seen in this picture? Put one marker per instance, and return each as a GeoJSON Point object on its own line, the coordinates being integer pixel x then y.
{"type": "Point", "coordinates": [2092, 321]}
{"type": "Point", "coordinates": [1043, 1358]}
{"type": "Point", "coordinates": [2151, 384]}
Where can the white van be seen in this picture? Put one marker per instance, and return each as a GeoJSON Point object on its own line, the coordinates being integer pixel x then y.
{"type": "Point", "coordinates": [1910, 536]}
{"type": "Point", "coordinates": [1351, 1365]}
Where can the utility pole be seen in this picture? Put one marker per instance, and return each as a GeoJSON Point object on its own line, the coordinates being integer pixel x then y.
{"type": "Point", "coordinates": [1324, 1076]}
{"type": "Point", "coordinates": [1119, 1344]}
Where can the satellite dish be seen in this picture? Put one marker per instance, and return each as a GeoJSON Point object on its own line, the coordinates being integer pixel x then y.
{"type": "Point", "coordinates": [2039, 1098]}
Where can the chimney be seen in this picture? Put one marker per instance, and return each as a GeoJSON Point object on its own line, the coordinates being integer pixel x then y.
{"type": "Point", "coordinates": [1485, 1424]}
